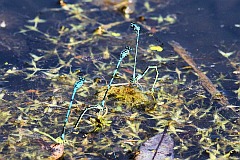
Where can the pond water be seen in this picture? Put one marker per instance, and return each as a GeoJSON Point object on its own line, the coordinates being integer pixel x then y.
{"type": "Point", "coordinates": [46, 45]}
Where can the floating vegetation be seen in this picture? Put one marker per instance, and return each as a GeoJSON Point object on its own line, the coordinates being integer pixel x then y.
{"type": "Point", "coordinates": [129, 95]}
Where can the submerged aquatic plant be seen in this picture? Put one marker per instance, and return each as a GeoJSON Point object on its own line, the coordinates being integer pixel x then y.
{"type": "Point", "coordinates": [132, 95]}
{"type": "Point", "coordinates": [40, 101]}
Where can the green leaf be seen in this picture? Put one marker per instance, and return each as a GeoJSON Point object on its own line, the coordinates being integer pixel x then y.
{"type": "Point", "coordinates": [155, 48]}
{"type": "Point", "coordinates": [4, 117]}
{"type": "Point", "coordinates": [226, 54]}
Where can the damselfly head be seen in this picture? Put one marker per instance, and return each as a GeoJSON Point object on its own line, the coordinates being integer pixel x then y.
{"type": "Point", "coordinates": [135, 27]}
{"type": "Point", "coordinates": [81, 79]}
{"type": "Point", "coordinates": [128, 48]}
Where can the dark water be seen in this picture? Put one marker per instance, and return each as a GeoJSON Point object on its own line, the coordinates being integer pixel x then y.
{"type": "Point", "coordinates": [202, 27]}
